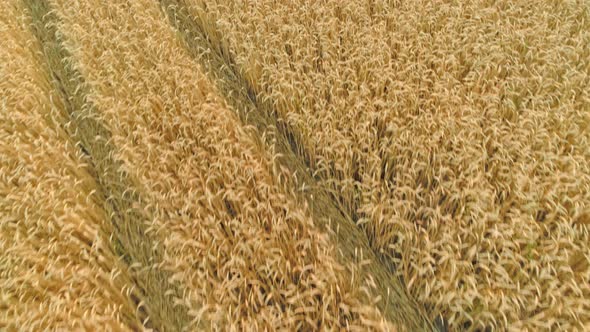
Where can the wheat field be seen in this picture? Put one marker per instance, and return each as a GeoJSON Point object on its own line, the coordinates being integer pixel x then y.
{"type": "Point", "coordinates": [186, 165]}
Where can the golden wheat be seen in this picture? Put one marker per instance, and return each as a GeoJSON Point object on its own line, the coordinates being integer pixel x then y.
{"type": "Point", "coordinates": [241, 249]}
{"type": "Point", "coordinates": [457, 132]}
{"type": "Point", "coordinates": [57, 267]}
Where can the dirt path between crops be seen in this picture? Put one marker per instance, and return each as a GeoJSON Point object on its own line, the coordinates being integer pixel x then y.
{"type": "Point", "coordinates": [125, 206]}
{"type": "Point", "coordinates": [396, 305]}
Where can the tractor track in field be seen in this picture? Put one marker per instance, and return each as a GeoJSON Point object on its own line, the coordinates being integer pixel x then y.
{"type": "Point", "coordinates": [125, 207]}
{"type": "Point", "coordinates": [396, 305]}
